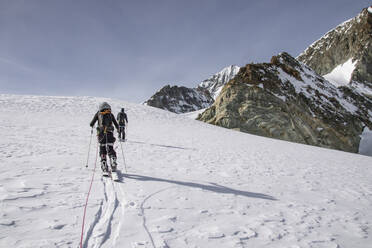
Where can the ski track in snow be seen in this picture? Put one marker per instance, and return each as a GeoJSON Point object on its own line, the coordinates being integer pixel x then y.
{"type": "Point", "coordinates": [189, 184]}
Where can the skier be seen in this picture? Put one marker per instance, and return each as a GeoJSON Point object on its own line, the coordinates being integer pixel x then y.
{"type": "Point", "coordinates": [105, 136]}
{"type": "Point", "coordinates": [122, 120]}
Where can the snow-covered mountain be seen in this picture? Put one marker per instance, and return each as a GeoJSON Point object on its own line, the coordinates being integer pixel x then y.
{"type": "Point", "coordinates": [287, 100]}
{"type": "Point", "coordinates": [215, 83]}
{"type": "Point", "coordinates": [344, 54]}
{"type": "Point", "coordinates": [188, 184]}
{"type": "Point", "coordinates": [179, 99]}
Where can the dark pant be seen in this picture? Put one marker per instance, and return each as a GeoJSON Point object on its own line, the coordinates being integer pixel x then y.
{"type": "Point", "coordinates": [106, 139]}
{"type": "Point", "coordinates": [122, 132]}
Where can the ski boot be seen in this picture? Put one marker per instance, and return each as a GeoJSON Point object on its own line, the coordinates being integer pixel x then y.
{"type": "Point", "coordinates": [104, 167]}
{"type": "Point", "coordinates": [113, 164]}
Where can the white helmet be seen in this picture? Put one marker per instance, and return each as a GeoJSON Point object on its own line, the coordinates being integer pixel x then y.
{"type": "Point", "coordinates": [104, 106]}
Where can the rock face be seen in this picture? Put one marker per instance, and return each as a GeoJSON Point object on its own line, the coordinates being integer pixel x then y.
{"type": "Point", "coordinates": [179, 99]}
{"type": "Point", "coordinates": [350, 41]}
{"type": "Point", "coordinates": [287, 100]}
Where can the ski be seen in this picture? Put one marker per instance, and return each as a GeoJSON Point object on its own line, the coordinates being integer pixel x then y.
{"type": "Point", "coordinates": [115, 176]}
{"type": "Point", "coordinates": [111, 171]}
{"type": "Point", "coordinates": [111, 174]}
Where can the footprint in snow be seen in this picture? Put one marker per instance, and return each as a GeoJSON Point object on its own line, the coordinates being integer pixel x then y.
{"type": "Point", "coordinates": [164, 229]}
{"type": "Point", "coordinates": [139, 244]}
{"type": "Point", "coordinates": [173, 219]}
{"type": "Point", "coordinates": [217, 235]}
{"type": "Point", "coordinates": [10, 223]}
{"type": "Point", "coordinates": [59, 227]}
{"type": "Point", "coordinates": [245, 234]}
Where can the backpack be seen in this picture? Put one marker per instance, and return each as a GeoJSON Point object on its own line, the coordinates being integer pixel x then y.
{"type": "Point", "coordinates": [105, 121]}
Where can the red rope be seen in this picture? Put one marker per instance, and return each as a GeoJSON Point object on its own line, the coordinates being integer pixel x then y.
{"type": "Point", "coordinates": [86, 202]}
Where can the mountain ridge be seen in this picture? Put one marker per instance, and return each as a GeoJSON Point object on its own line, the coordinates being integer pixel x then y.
{"type": "Point", "coordinates": [180, 99]}
{"type": "Point", "coordinates": [350, 40]}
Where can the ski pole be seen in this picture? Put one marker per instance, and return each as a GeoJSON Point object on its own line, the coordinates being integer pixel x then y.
{"type": "Point", "coordinates": [90, 142]}
{"type": "Point", "coordinates": [126, 131]}
{"type": "Point", "coordinates": [122, 153]}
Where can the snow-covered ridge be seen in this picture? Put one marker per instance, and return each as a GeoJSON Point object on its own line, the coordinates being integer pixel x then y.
{"type": "Point", "coordinates": [313, 85]}
{"type": "Point", "coordinates": [341, 28]}
{"type": "Point", "coordinates": [215, 83]}
{"type": "Point", "coordinates": [342, 57]}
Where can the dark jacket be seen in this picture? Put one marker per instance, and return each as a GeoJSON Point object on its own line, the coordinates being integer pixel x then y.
{"type": "Point", "coordinates": [95, 118]}
{"type": "Point", "coordinates": [121, 118]}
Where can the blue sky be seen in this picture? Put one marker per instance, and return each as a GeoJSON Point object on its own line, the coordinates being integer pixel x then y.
{"type": "Point", "coordinates": [130, 49]}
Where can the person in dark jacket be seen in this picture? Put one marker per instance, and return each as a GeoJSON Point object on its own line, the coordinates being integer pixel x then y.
{"type": "Point", "coordinates": [105, 135]}
{"type": "Point", "coordinates": [122, 120]}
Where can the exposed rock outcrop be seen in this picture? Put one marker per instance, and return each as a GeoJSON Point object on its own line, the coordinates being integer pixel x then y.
{"type": "Point", "coordinates": [287, 100]}
{"type": "Point", "coordinates": [180, 99]}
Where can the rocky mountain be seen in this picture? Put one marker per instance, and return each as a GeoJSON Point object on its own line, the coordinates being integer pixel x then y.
{"type": "Point", "coordinates": [286, 99]}
{"type": "Point", "coordinates": [322, 98]}
{"type": "Point", "coordinates": [179, 99]}
{"type": "Point", "coordinates": [344, 54]}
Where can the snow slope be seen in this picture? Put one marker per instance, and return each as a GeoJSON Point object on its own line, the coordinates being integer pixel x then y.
{"type": "Point", "coordinates": [341, 74]}
{"type": "Point", "coordinates": [365, 146]}
{"type": "Point", "coordinates": [189, 184]}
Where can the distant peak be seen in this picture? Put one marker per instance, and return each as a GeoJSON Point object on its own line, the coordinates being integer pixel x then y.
{"type": "Point", "coordinates": [215, 83]}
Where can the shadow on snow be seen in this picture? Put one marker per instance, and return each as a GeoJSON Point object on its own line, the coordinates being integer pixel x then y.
{"type": "Point", "coordinates": [214, 187]}
{"type": "Point", "coordinates": [159, 145]}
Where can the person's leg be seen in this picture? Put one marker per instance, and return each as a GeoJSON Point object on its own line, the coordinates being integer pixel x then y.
{"type": "Point", "coordinates": [102, 152]}
{"type": "Point", "coordinates": [122, 133]}
{"type": "Point", "coordinates": [111, 152]}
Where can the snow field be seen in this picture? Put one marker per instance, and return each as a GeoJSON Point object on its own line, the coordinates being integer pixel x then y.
{"type": "Point", "coordinates": [189, 184]}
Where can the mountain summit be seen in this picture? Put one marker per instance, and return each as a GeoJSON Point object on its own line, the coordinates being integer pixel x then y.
{"type": "Point", "coordinates": [344, 54]}
{"type": "Point", "coordinates": [215, 83]}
